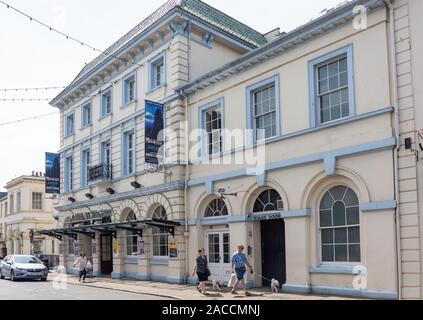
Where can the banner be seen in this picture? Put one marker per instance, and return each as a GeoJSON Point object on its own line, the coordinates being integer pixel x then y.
{"type": "Point", "coordinates": [52, 173]}
{"type": "Point", "coordinates": [173, 250]}
{"type": "Point", "coordinates": [154, 125]}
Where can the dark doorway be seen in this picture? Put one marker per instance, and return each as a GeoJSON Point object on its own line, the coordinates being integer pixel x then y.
{"type": "Point", "coordinates": [106, 255]}
{"type": "Point", "coordinates": [273, 251]}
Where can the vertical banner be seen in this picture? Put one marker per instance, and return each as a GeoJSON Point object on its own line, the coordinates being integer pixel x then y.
{"type": "Point", "coordinates": [141, 248]}
{"type": "Point", "coordinates": [52, 173]}
{"type": "Point", "coordinates": [173, 250]}
{"type": "Point", "coordinates": [154, 125]}
{"type": "Point", "coordinates": [116, 248]}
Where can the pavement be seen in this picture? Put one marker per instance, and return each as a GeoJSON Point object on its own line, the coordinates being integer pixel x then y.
{"type": "Point", "coordinates": [186, 292]}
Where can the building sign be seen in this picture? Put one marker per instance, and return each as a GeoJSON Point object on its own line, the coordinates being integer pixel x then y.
{"type": "Point", "coordinates": [173, 250]}
{"type": "Point", "coordinates": [52, 173]}
{"type": "Point", "coordinates": [154, 125]}
{"type": "Point", "coordinates": [266, 216]}
{"type": "Point", "coordinates": [116, 248]}
{"type": "Point", "coordinates": [141, 248]}
{"type": "Point", "coordinates": [91, 216]}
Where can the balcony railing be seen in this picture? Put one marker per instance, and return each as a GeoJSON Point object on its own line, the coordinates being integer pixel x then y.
{"type": "Point", "coordinates": [101, 172]}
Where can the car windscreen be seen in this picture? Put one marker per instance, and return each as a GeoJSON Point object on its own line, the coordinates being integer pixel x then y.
{"type": "Point", "coordinates": [26, 259]}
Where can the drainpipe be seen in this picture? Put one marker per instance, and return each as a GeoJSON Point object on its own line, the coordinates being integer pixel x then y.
{"type": "Point", "coordinates": [394, 74]}
{"type": "Point", "coordinates": [187, 169]}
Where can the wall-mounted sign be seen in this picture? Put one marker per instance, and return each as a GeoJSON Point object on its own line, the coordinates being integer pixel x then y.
{"type": "Point", "coordinates": [173, 250]}
{"type": "Point", "coordinates": [116, 247]}
{"type": "Point", "coordinates": [94, 249]}
{"type": "Point", "coordinates": [141, 248]}
{"type": "Point", "coordinates": [266, 216]}
{"type": "Point", "coordinates": [91, 215]}
{"type": "Point", "coordinates": [52, 173]}
{"type": "Point", "coordinates": [154, 125]}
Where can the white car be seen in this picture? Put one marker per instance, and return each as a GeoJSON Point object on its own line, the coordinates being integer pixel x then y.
{"type": "Point", "coordinates": [17, 267]}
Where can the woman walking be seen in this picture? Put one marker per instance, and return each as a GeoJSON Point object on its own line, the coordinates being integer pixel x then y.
{"type": "Point", "coordinates": [82, 262]}
{"type": "Point", "coordinates": [202, 270]}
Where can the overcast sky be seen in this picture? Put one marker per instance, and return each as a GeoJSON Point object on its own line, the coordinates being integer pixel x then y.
{"type": "Point", "coordinates": [31, 56]}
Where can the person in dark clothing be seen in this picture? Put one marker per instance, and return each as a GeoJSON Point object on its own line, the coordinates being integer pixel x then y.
{"type": "Point", "coordinates": [202, 270]}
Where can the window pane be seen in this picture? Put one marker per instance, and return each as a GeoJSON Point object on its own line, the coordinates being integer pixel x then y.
{"type": "Point", "coordinates": [343, 65]}
{"type": "Point", "coordinates": [354, 235]}
{"type": "Point", "coordinates": [327, 253]}
{"type": "Point", "coordinates": [325, 114]}
{"type": "Point", "coordinates": [353, 216]}
{"type": "Point", "coordinates": [339, 214]}
{"type": "Point", "coordinates": [333, 68]}
{"type": "Point", "coordinates": [323, 72]}
{"type": "Point", "coordinates": [345, 110]}
{"type": "Point", "coordinates": [327, 236]}
{"type": "Point", "coordinates": [335, 98]}
{"type": "Point", "coordinates": [326, 202]}
{"type": "Point", "coordinates": [343, 79]}
{"type": "Point", "coordinates": [323, 86]}
{"type": "Point", "coordinates": [341, 235]}
{"type": "Point", "coordinates": [333, 82]}
{"type": "Point", "coordinates": [338, 192]}
{"type": "Point", "coordinates": [354, 253]}
{"type": "Point", "coordinates": [325, 218]}
{"type": "Point", "coordinates": [324, 102]}
{"type": "Point", "coordinates": [341, 253]}
{"type": "Point", "coordinates": [335, 112]}
{"type": "Point", "coordinates": [351, 198]}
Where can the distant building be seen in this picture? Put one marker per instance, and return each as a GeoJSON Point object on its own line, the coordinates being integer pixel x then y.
{"type": "Point", "coordinates": [3, 210]}
{"type": "Point", "coordinates": [26, 208]}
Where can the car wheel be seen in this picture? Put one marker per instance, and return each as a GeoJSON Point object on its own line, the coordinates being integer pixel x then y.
{"type": "Point", "coordinates": [12, 276]}
{"type": "Point", "coordinates": [43, 279]}
{"type": "Point", "coordinates": [1, 275]}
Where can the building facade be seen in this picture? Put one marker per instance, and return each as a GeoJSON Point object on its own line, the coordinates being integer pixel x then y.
{"type": "Point", "coordinates": [27, 211]}
{"type": "Point", "coordinates": [3, 210]}
{"type": "Point", "coordinates": [295, 144]}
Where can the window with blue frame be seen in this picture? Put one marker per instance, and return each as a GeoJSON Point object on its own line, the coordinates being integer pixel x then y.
{"type": "Point", "coordinates": [129, 89]}
{"type": "Point", "coordinates": [86, 115]}
{"type": "Point", "coordinates": [85, 166]}
{"type": "Point", "coordinates": [128, 159]}
{"type": "Point", "coordinates": [69, 125]}
{"type": "Point", "coordinates": [332, 87]}
{"type": "Point", "coordinates": [68, 176]}
{"type": "Point", "coordinates": [106, 103]}
{"type": "Point", "coordinates": [157, 72]}
{"type": "Point", "coordinates": [212, 126]}
{"type": "Point", "coordinates": [263, 109]}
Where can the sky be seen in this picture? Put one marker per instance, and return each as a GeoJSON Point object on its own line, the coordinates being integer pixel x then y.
{"type": "Point", "coordinates": [32, 56]}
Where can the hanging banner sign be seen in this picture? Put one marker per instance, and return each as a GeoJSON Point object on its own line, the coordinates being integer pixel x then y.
{"type": "Point", "coordinates": [116, 248]}
{"type": "Point", "coordinates": [52, 173]}
{"type": "Point", "coordinates": [173, 250]}
{"type": "Point", "coordinates": [154, 125]}
{"type": "Point", "coordinates": [141, 248]}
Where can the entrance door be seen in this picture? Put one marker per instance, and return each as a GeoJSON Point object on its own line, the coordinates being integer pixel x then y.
{"type": "Point", "coordinates": [273, 251]}
{"type": "Point", "coordinates": [218, 246]}
{"type": "Point", "coordinates": [106, 254]}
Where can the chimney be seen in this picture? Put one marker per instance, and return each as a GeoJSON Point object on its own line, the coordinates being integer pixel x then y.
{"type": "Point", "coordinates": [33, 173]}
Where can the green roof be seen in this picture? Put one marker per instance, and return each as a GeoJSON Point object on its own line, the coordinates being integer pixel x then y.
{"type": "Point", "coordinates": [221, 20]}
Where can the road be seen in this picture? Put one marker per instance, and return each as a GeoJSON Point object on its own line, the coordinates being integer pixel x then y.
{"type": "Point", "coordinates": [37, 290]}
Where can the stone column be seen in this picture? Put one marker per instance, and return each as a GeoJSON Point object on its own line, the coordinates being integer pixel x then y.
{"type": "Point", "coordinates": [177, 266]}
{"type": "Point", "coordinates": [144, 266]}
{"type": "Point", "coordinates": [119, 253]}
{"type": "Point", "coordinates": [96, 253]}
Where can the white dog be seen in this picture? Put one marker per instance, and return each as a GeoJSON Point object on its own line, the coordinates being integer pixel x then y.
{"type": "Point", "coordinates": [275, 285]}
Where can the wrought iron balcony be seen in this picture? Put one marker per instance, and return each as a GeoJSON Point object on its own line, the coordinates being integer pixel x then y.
{"type": "Point", "coordinates": [101, 172]}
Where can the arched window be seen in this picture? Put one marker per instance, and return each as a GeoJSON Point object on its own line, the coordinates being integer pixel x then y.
{"type": "Point", "coordinates": [131, 237]}
{"type": "Point", "coordinates": [340, 226]}
{"type": "Point", "coordinates": [269, 200]}
{"type": "Point", "coordinates": [160, 236]}
{"type": "Point", "coordinates": [216, 208]}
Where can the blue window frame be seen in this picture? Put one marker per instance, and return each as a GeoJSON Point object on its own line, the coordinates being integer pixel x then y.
{"type": "Point", "coordinates": [331, 87]}
{"type": "Point", "coordinates": [86, 115]}
{"type": "Point", "coordinates": [157, 72]}
{"type": "Point", "coordinates": [106, 104]}
{"type": "Point", "coordinates": [129, 89]}
{"type": "Point", "coordinates": [106, 152]}
{"type": "Point", "coordinates": [212, 123]}
{"type": "Point", "coordinates": [263, 110]}
{"type": "Point", "coordinates": [70, 124]}
{"type": "Point", "coordinates": [68, 177]}
{"type": "Point", "coordinates": [85, 165]}
{"type": "Point", "coordinates": [128, 152]}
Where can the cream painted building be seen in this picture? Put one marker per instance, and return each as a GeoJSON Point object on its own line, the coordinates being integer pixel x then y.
{"type": "Point", "coordinates": [295, 144]}
{"type": "Point", "coordinates": [3, 210]}
{"type": "Point", "coordinates": [27, 208]}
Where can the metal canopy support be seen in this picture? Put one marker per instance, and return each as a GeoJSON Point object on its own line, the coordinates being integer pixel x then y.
{"type": "Point", "coordinates": [105, 230]}
{"type": "Point", "coordinates": [87, 233]}
{"type": "Point", "coordinates": [52, 234]}
{"type": "Point", "coordinates": [136, 230]}
{"type": "Point", "coordinates": [167, 228]}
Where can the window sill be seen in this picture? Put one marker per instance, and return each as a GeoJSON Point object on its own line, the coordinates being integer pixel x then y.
{"type": "Point", "coordinates": [86, 126]}
{"type": "Point", "coordinates": [130, 260]}
{"type": "Point", "coordinates": [346, 270]}
{"type": "Point", "coordinates": [69, 135]}
{"type": "Point", "coordinates": [151, 90]}
{"type": "Point", "coordinates": [159, 261]}
{"type": "Point", "coordinates": [127, 104]}
{"type": "Point", "coordinates": [333, 122]}
{"type": "Point", "coordinates": [105, 116]}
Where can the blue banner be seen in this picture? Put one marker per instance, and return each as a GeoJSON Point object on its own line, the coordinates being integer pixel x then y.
{"type": "Point", "coordinates": [154, 125]}
{"type": "Point", "coordinates": [52, 173]}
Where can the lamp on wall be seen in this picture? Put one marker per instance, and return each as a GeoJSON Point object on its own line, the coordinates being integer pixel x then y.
{"type": "Point", "coordinates": [110, 191]}
{"type": "Point", "coordinates": [135, 184]}
{"type": "Point", "coordinates": [89, 196]}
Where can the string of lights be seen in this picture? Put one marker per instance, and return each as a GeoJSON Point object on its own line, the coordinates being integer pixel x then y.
{"type": "Point", "coordinates": [24, 99]}
{"type": "Point", "coordinates": [30, 89]}
{"type": "Point", "coordinates": [28, 119]}
{"type": "Point", "coordinates": [68, 37]}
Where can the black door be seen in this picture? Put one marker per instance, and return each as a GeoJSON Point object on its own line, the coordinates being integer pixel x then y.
{"type": "Point", "coordinates": [273, 251]}
{"type": "Point", "coordinates": [106, 255]}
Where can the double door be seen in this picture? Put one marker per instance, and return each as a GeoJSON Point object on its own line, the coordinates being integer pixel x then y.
{"type": "Point", "coordinates": [219, 255]}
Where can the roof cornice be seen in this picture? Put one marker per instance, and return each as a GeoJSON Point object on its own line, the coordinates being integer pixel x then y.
{"type": "Point", "coordinates": [333, 20]}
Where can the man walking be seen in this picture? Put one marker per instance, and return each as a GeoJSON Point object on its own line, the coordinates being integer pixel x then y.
{"type": "Point", "coordinates": [239, 261]}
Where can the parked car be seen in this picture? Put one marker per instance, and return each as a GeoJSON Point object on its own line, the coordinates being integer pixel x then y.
{"type": "Point", "coordinates": [18, 267]}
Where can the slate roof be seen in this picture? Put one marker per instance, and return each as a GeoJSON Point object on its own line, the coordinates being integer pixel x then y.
{"type": "Point", "coordinates": [196, 8]}
{"type": "Point", "coordinates": [3, 194]}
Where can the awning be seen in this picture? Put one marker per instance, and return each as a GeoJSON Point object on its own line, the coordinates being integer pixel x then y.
{"type": "Point", "coordinates": [136, 226]}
